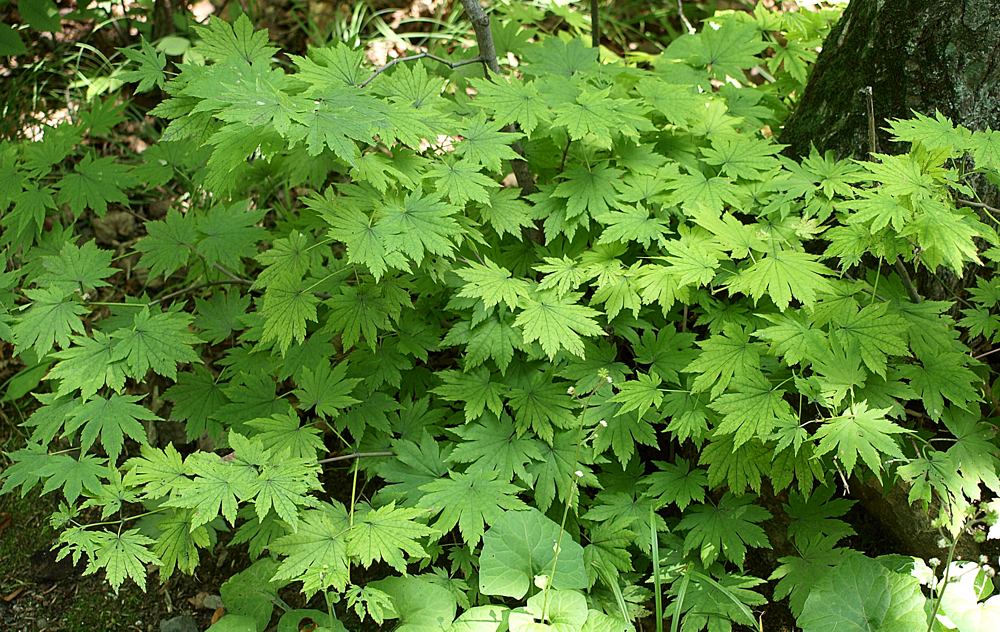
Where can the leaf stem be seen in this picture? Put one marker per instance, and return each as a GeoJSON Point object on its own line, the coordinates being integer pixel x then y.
{"type": "Point", "coordinates": [356, 455]}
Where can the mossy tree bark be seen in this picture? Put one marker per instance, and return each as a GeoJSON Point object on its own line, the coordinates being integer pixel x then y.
{"type": "Point", "coordinates": [915, 55]}
{"type": "Point", "coordinates": [921, 55]}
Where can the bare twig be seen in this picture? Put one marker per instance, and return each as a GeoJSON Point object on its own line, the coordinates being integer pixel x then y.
{"type": "Point", "coordinates": [687, 24]}
{"type": "Point", "coordinates": [196, 287]}
{"type": "Point", "coordinates": [986, 353]}
{"type": "Point", "coordinates": [595, 27]}
{"type": "Point", "coordinates": [356, 455]}
{"type": "Point", "coordinates": [870, 107]}
{"type": "Point", "coordinates": [986, 207]}
{"type": "Point", "coordinates": [488, 52]}
{"type": "Point", "coordinates": [441, 60]}
{"type": "Point", "coordinates": [907, 281]}
{"type": "Point", "coordinates": [236, 279]}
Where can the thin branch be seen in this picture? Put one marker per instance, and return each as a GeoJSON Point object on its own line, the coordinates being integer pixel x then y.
{"type": "Point", "coordinates": [356, 455]}
{"type": "Point", "coordinates": [236, 279]}
{"type": "Point", "coordinates": [907, 281]}
{"type": "Point", "coordinates": [986, 353]}
{"type": "Point", "coordinates": [986, 207]}
{"type": "Point", "coordinates": [441, 60]}
{"type": "Point", "coordinates": [195, 288]}
{"type": "Point", "coordinates": [488, 51]}
{"type": "Point", "coordinates": [687, 24]}
{"type": "Point", "coordinates": [595, 27]}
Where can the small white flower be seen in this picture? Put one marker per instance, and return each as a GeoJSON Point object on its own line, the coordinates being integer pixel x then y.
{"type": "Point", "coordinates": [579, 473]}
{"type": "Point", "coordinates": [570, 391]}
{"type": "Point", "coordinates": [942, 543]}
{"type": "Point", "coordinates": [934, 562]}
{"type": "Point", "coordinates": [603, 423]}
{"type": "Point", "coordinates": [610, 381]}
{"type": "Point", "coordinates": [984, 560]}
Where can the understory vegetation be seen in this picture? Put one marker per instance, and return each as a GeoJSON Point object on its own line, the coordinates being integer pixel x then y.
{"type": "Point", "coordinates": [485, 328]}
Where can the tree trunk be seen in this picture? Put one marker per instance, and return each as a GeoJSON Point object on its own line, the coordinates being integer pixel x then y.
{"type": "Point", "coordinates": [921, 55]}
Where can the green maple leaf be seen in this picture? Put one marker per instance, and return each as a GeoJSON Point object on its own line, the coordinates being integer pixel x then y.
{"type": "Point", "coordinates": [155, 341]}
{"type": "Point", "coordinates": [283, 486]}
{"type": "Point", "coordinates": [639, 395]}
{"type": "Point", "coordinates": [326, 389]}
{"type": "Point", "coordinates": [746, 158]}
{"type": "Point", "coordinates": [316, 554]}
{"type": "Point", "coordinates": [817, 514]}
{"type": "Point", "coordinates": [752, 409]}
{"type": "Point", "coordinates": [493, 445]}
{"type": "Point", "coordinates": [556, 473]}
{"type": "Point", "coordinates": [945, 376]}
{"type": "Point", "coordinates": [122, 555]}
{"type": "Point", "coordinates": [494, 338]}
{"type": "Point", "coordinates": [556, 322]}
{"type": "Point", "coordinates": [461, 181]}
{"type": "Point", "coordinates": [485, 145]}
{"type": "Point", "coordinates": [150, 66]}
{"type": "Point", "coordinates": [677, 483]}
{"type": "Point", "coordinates": [783, 275]}
{"type": "Point", "coordinates": [218, 486]}
{"type": "Point", "coordinates": [168, 243]}
{"type": "Point", "coordinates": [337, 120]}
{"type": "Point", "coordinates": [589, 188]}
{"type": "Point", "coordinates": [860, 431]}
{"type": "Point", "coordinates": [946, 235]}
{"type": "Point", "coordinates": [725, 529]}
{"type": "Point", "coordinates": [284, 433]}
{"type": "Point", "coordinates": [666, 351]}
{"type": "Point", "coordinates": [367, 242]}
{"type": "Point", "coordinates": [176, 544]}
{"type": "Point", "coordinates": [985, 148]}
{"type": "Point", "coordinates": [414, 465]}
{"type": "Point", "coordinates": [385, 534]}
{"type": "Point", "coordinates": [221, 315]}
{"type": "Point", "coordinates": [540, 404]}
{"type": "Point", "coordinates": [287, 308]}
{"type": "Point", "coordinates": [158, 471]}
{"type": "Point", "coordinates": [724, 357]}
{"type": "Point", "coordinates": [506, 212]}
{"type": "Point", "coordinates": [696, 192]}
{"type": "Point", "coordinates": [511, 100]}
{"type": "Point", "coordinates": [93, 183]}
{"type": "Point", "coordinates": [77, 268]}
{"type": "Point", "coordinates": [492, 284]}
{"type": "Point", "coordinates": [196, 398]}
{"type": "Point", "coordinates": [419, 224]}
{"type": "Point", "coordinates": [52, 318]}
{"type": "Point", "coordinates": [872, 334]}
{"type": "Point", "coordinates": [797, 576]}
{"type": "Point", "coordinates": [933, 133]}
{"type": "Point", "coordinates": [72, 475]}
{"type": "Point", "coordinates": [475, 389]}
{"type": "Point", "coordinates": [726, 47]}
{"type": "Point", "coordinates": [112, 419]}
{"type": "Point", "coordinates": [25, 469]}
{"type": "Point", "coordinates": [228, 233]}
{"type": "Point", "coordinates": [88, 366]}
{"type": "Point", "coordinates": [220, 41]}
{"type": "Point", "coordinates": [471, 501]}
{"type": "Point", "coordinates": [633, 224]}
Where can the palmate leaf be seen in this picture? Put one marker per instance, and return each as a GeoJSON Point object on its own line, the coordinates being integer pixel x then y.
{"type": "Point", "coordinates": [542, 405]}
{"type": "Point", "coordinates": [726, 529]}
{"type": "Point", "coordinates": [157, 341]}
{"type": "Point", "coordinates": [158, 471]}
{"type": "Point", "coordinates": [723, 358]}
{"type": "Point", "coordinates": [511, 100]}
{"type": "Point", "coordinates": [52, 318]}
{"type": "Point", "coordinates": [176, 544]}
{"type": "Point", "coordinates": [218, 486]}
{"type": "Point", "coordinates": [863, 432]}
{"type": "Point", "coordinates": [150, 66]}
{"type": "Point", "coordinates": [316, 554]}
{"type": "Point", "coordinates": [93, 183]}
{"type": "Point", "coordinates": [492, 284]}
{"type": "Point", "coordinates": [385, 534]}
{"type": "Point", "coordinates": [112, 419]}
{"type": "Point", "coordinates": [77, 268]}
{"type": "Point", "coordinates": [168, 243]}
{"type": "Point", "coordinates": [752, 409]}
{"type": "Point", "coordinates": [677, 483]}
{"type": "Point", "coordinates": [461, 181]}
{"type": "Point", "coordinates": [72, 475]}
{"type": "Point", "coordinates": [122, 555]}
{"type": "Point", "coordinates": [88, 366]}
{"type": "Point", "coordinates": [783, 275]}
{"type": "Point", "coordinates": [283, 433]}
{"type": "Point", "coordinates": [590, 189]}
{"type": "Point", "coordinates": [493, 445]}
{"type": "Point", "coordinates": [287, 307]}
{"type": "Point", "coordinates": [221, 40]}
{"type": "Point", "coordinates": [470, 500]}
{"type": "Point", "coordinates": [484, 144]}
{"type": "Point", "coordinates": [557, 322]}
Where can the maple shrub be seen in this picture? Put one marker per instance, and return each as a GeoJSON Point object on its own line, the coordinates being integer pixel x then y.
{"type": "Point", "coordinates": [566, 407]}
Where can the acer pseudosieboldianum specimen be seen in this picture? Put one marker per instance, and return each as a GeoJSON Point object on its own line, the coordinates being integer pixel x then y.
{"type": "Point", "coordinates": [554, 425]}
